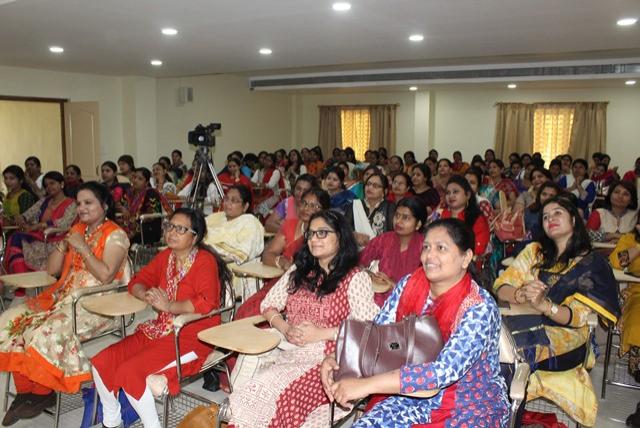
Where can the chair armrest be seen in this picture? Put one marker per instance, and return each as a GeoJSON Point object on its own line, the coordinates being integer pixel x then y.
{"type": "Point", "coordinates": [54, 231]}
{"type": "Point", "coordinates": [89, 291]}
{"type": "Point", "coordinates": [518, 388]}
{"type": "Point", "coordinates": [147, 217]}
{"type": "Point", "coordinates": [182, 320]}
{"type": "Point", "coordinates": [592, 320]}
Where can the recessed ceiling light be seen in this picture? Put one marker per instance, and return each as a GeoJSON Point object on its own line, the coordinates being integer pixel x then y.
{"type": "Point", "coordinates": [625, 22]}
{"type": "Point", "coordinates": [413, 88]}
{"type": "Point", "coordinates": [416, 37]}
{"type": "Point", "coordinates": [56, 49]}
{"type": "Point", "coordinates": [156, 62]}
{"type": "Point", "coordinates": [630, 82]}
{"type": "Point", "coordinates": [169, 31]}
{"type": "Point", "coordinates": [265, 51]}
{"type": "Point", "coordinates": [512, 86]}
{"type": "Point", "coordinates": [341, 6]}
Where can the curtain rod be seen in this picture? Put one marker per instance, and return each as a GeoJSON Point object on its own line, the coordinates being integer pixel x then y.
{"type": "Point", "coordinates": [359, 105]}
{"type": "Point", "coordinates": [555, 103]}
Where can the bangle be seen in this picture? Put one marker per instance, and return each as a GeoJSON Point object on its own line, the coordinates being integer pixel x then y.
{"type": "Point", "coordinates": [278, 262]}
{"type": "Point", "coordinates": [273, 316]}
{"type": "Point", "coordinates": [515, 297]}
{"type": "Point", "coordinates": [59, 247]}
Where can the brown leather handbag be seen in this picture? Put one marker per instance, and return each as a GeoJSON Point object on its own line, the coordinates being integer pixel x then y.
{"type": "Point", "coordinates": [201, 417]}
{"type": "Point", "coordinates": [364, 349]}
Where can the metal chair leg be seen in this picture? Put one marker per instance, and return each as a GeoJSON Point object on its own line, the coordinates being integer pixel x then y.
{"type": "Point", "coordinates": [56, 415]}
{"type": "Point", "coordinates": [607, 359]}
{"type": "Point", "coordinates": [5, 397]}
{"type": "Point", "coordinates": [165, 410]}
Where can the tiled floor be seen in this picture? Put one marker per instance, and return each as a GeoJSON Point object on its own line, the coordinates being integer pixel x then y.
{"type": "Point", "coordinates": [613, 411]}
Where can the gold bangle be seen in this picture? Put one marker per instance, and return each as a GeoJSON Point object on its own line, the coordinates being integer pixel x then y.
{"type": "Point", "coordinates": [272, 318]}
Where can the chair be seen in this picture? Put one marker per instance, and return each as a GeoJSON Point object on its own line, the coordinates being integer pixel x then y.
{"type": "Point", "coordinates": [75, 400]}
{"type": "Point", "coordinates": [215, 361]}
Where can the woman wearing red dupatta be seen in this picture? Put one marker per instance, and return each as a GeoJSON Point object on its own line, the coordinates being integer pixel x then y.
{"type": "Point", "coordinates": [464, 383]}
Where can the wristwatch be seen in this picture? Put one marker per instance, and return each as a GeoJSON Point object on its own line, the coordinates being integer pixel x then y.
{"type": "Point", "coordinates": [553, 309]}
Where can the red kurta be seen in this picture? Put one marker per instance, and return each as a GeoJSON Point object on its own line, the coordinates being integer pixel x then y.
{"type": "Point", "coordinates": [127, 363]}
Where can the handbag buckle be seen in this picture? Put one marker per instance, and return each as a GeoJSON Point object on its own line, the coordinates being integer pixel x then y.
{"type": "Point", "coordinates": [394, 346]}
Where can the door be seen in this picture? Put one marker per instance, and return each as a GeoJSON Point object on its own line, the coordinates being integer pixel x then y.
{"type": "Point", "coordinates": [82, 137]}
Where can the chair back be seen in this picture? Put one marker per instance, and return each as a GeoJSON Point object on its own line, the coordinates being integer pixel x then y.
{"type": "Point", "coordinates": [508, 351]}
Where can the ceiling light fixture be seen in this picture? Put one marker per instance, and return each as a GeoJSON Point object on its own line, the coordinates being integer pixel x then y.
{"type": "Point", "coordinates": [512, 86]}
{"type": "Point", "coordinates": [413, 88]}
{"type": "Point", "coordinates": [169, 31]}
{"type": "Point", "coordinates": [156, 62]}
{"type": "Point", "coordinates": [341, 6]}
{"type": "Point", "coordinates": [416, 37]}
{"type": "Point", "coordinates": [630, 82]}
{"type": "Point", "coordinates": [56, 49]}
{"type": "Point", "coordinates": [625, 22]}
{"type": "Point", "coordinates": [265, 51]}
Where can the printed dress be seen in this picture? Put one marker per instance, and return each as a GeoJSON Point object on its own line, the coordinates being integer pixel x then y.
{"type": "Point", "coordinates": [37, 339]}
{"type": "Point", "coordinates": [467, 372]}
{"type": "Point", "coordinates": [286, 393]}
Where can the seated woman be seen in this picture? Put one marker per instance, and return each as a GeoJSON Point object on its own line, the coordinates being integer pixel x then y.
{"type": "Point", "coordinates": [619, 214]}
{"type": "Point", "coordinates": [474, 177]}
{"type": "Point", "coordinates": [357, 187]}
{"type": "Point", "coordinates": [19, 198]}
{"type": "Point", "coordinates": [161, 180]}
{"type": "Point", "coordinates": [287, 209]}
{"type": "Point", "coordinates": [144, 200]}
{"type": "Point", "coordinates": [295, 168]}
{"type": "Point", "coordinates": [185, 278]}
{"type": "Point", "coordinates": [461, 204]}
{"type": "Point", "coordinates": [497, 183]}
{"type": "Point", "coordinates": [539, 176]}
{"type": "Point", "coordinates": [400, 187]}
{"type": "Point", "coordinates": [233, 176]}
{"type": "Point", "coordinates": [421, 181]}
{"type": "Point", "coordinates": [562, 280]}
{"type": "Point", "coordinates": [397, 252]}
{"type": "Point", "coordinates": [372, 216]}
{"type": "Point", "coordinates": [41, 349]}
{"type": "Point", "coordinates": [464, 382]}
{"type": "Point", "coordinates": [72, 180]}
{"type": "Point", "coordinates": [627, 256]}
{"type": "Point", "coordinates": [203, 185]}
{"type": "Point", "coordinates": [26, 250]}
{"type": "Point", "coordinates": [580, 185]}
{"type": "Point", "coordinates": [127, 167]}
{"type": "Point", "coordinates": [445, 172]}
{"type": "Point", "coordinates": [235, 233]}
{"type": "Point", "coordinates": [334, 185]}
{"type": "Point", "coordinates": [271, 181]}
{"type": "Point", "coordinates": [322, 288]}
{"type": "Point", "coordinates": [119, 191]}
{"type": "Point", "coordinates": [532, 226]}
{"type": "Point", "coordinates": [282, 248]}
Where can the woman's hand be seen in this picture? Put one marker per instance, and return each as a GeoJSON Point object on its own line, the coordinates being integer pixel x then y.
{"type": "Point", "coordinates": [612, 236]}
{"type": "Point", "coordinates": [157, 298]}
{"type": "Point", "coordinates": [362, 239]}
{"type": "Point", "coordinates": [284, 263]}
{"type": "Point", "coordinates": [535, 292]}
{"type": "Point", "coordinates": [381, 278]}
{"type": "Point", "coordinates": [311, 333]}
{"type": "Point", "coordinates": [294, 335]}
{"type": "Point", "coordinates": [350, 389]}
{"type": "Point", "coordinates": [78, 243]}
{"type": "Point", "coordinates": [20, 221]}
{"type": "Point", "coordinates": [328, 366]}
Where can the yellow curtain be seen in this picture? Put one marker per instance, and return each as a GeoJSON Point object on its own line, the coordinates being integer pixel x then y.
{"type": "Point", "coordinates": [383, 127]}
{"type": "Point", "coordinates": [514, 129]}
{"type": "Point", "coordinates": [552, 129]}
{"type": "Point", "coordinates": [589, 133]}
{"type": "Point", "coordinates": [330, 129]}
{"type": "Point", "coordinates": [356, 128]}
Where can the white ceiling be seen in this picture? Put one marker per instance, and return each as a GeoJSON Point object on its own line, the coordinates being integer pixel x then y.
{"type": "Point", "coordinates": [120, 37]}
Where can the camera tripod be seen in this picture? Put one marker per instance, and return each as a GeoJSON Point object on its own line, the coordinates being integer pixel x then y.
{"type": "Point", "coordinates": [198, 192]}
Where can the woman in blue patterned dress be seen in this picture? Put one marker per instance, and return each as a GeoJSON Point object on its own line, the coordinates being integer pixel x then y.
{"type": "Point", "coordinates": [464, 383]}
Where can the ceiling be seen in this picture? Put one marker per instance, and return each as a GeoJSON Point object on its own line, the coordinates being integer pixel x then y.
{"type": "Point", "coordinates": [120, 37]}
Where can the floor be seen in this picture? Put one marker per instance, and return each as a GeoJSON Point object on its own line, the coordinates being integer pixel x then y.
{"type": "Point", "coordinates": [613, 411]}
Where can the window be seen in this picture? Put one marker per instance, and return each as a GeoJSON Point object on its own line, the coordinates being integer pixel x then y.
{"type": "Point", "coordinates": [552, 130]}
{"type": "Point", "coordinates": [356, 129]}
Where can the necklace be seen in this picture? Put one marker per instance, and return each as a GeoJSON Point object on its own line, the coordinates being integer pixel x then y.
{"type": "Point", "coordinates": [89, 233]}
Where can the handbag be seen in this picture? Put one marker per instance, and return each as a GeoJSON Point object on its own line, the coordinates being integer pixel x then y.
{"type": "Point", "coordinates": [201, 417]}
{"type": "Point", "coordinates": [510, 226]}
{"type": "Point", "coordinates": [365, 349]}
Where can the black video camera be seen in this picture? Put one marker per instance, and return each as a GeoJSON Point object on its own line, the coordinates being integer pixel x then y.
{"type": "Point", "coordinates": [203, 135]}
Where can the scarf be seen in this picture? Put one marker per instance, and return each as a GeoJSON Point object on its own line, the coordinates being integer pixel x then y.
{"type": "Point", "coordinates": [163, 324]}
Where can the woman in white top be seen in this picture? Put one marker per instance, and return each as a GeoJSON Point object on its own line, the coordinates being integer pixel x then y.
{"type": "Point", "coordinates": [619, 214]}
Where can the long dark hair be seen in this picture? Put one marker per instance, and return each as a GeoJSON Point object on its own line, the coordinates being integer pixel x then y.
{"type": "Point", "coordinates": [18, 172]}
{"type": "Point", "coordinates": [537, 205]}
{"type": "Point", "coordinates": [309, 275]}
{"type": "Point", "coordinates": [102, 194]}
{"type": "Point", "coordinates": [417, 208]}
{"type": "Point", "coordinates": [426, 171]}
{"type": "Point", "coordinates": [199, 225]}
{"type": "Point", "coordinates": [579, 244]}
{"type": "Point", "coordinates": [472, 211]}
{"type": "Point", "coordinates": [629, 187]}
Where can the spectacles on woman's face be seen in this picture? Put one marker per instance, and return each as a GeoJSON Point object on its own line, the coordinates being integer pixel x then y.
{"type": "Point", "coordinates": [312, 205]}
{"type": "Point", "coordinates": [374, 185]}
{"type": "Point", "coordinates": [320, 233]}
{"type": "Point", "coordinates": [180, 230]}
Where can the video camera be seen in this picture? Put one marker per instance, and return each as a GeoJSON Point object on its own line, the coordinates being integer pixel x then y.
{"type": "Point", "coordinates": [203, 135]}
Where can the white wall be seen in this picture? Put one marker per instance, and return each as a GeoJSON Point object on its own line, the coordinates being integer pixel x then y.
{"type": "Point", "coordinates": [464, 119]}
{"type": "Point", "coordinates": [251, 120]}
{"type": "Point", "coordinates": [106, 90]}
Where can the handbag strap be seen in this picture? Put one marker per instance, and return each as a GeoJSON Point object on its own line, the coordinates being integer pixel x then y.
{"type": "Point", "coordinates": [363, 346]}
{"type": "Point", "coordinates": [410, 334]}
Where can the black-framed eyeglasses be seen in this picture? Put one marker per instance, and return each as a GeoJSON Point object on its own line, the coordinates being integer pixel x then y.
{"type": "Point", "coordinates": [320, 233]}
{"type": "Point", "coordinates": [180, 230]}
{"type": "Point", "coordinates": [312, 205]}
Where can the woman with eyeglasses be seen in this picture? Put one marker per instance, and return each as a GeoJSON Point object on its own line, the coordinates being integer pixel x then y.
{"type": "Point", "coordinates": [372, 216]}
{"type": "Point", "coordinates": [397, 252]}
{"type": "Point", "coordinates": [235, 233]}
{"type": "Point", "coordinates": [37, 340]}
{"type": "Point", "coordinates": [185, 278]}
{"type": "Point", "coordinates": [322, 288]}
